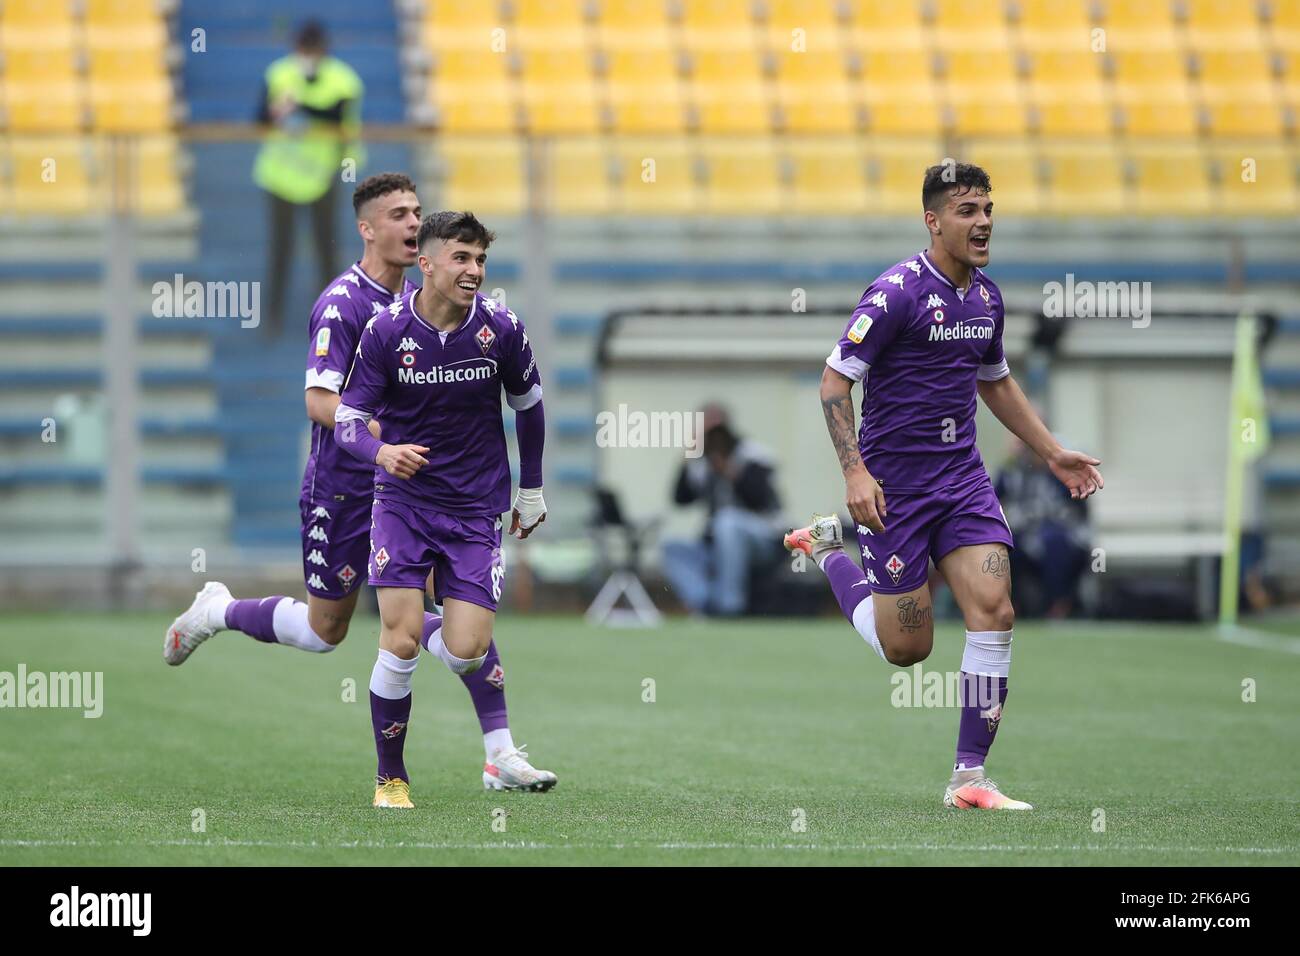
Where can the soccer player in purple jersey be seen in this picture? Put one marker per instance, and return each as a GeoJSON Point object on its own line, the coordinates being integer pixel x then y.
{"type": "Point", "coordinates": [930, 331]}
{"type": "Point", "coordinates": [337, 490]}
{"type": "Point", "coordinates": [432, 368]}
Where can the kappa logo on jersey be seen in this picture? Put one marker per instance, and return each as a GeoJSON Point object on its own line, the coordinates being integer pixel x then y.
{"type": "Point", "coordinates": [323, 341]}
{"type": "Point", "coordinates": [895, 567]}
{"type": "Point", "coordinates": [394, 729]}
{"type": "Point", "coordinates": [863, 529]}
{"type": "Point", "coordinates": [866, 553]}
{"type": "Point", "coordinates": [331, 312]}
{"type": "Point", "coordinates": [377, 307]}
{"type": "Point", "coordinates": [485, 338]}
{"type": "Point", "coordinates": [347, 576]}
{"type": "Point", "coordinates": [859, 329]}
{"type": "Point", "coordinates": [934, 301]}
{"type": "Point", "coordinates": [315, 582]}
{"type": "Point", "coordinates": [514, 319]}
{"type": "Point", "coordinates": [316, 557]}
{"type": "Point", "coordinates": [396, 307]}
{"type": "Point", "coordinates": [381, 560]}
{"type": "Point", "coordinates": [319, 512]}
{"type": "Point", "coordinates": [317, 533]}
{"type": "Point", "coordinates": [871, 577]}
{"type": "Point", "coordinates": [896, 278]}
{"type": "Point", "coordinates": [407, 347]}
{"type": "Point", "coordinates": [913, 265]}
{"type": "Point", "coordinates": [340, 289]}
{"type": "Point", "coordinates": [352, 277]}
{"type": "Point", "coordinates": [497, 678]}
{"type": "Point", "coordinates": [880, 301]}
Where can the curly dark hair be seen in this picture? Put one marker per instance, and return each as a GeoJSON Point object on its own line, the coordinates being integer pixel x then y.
{"type": "Point", "coordinates": [380, 184]}
{"type": "Point", "coordinates": [942, 179]}
{"type": "Point", "coordinates": [461, 226]}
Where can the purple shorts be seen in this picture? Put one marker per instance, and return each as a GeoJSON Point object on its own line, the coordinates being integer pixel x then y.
{"type": "Point", "coordinates": [924, 527]}
{"type": "Point", "coordinates": [406, 543]}
{"type": "Point", "coordinates": [335, 545]}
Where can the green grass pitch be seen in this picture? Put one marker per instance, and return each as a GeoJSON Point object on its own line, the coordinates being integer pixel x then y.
{"type": "Point", "coordinates": [754, 727]}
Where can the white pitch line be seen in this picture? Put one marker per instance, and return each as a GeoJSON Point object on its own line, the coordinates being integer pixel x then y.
{"type": "Point", "coordinates": [523, 845]}
{"type": "Point", "coordinates": [1265, 640]}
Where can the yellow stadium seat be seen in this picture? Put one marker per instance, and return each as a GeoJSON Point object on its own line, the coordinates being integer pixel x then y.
{"type": "Point", "coordinates": [710, 16]}
{"type": "Point", "coordinates": [633, 16]}
{"type": "Point", "coordinates": [468, 27]}
{"type": "Point", "coordinates": [1013, 173]}
{"type": "Point", "coordinates": [648, 107]}
{"type": "Point", "coordinates": [1221, 70]}
{"type": "Point", "coordinates": [827, 176]}
{"type": "Point", "coordinates": [1150, 67]}
{"type": "Point", "coordinates": [1134, 18]}
{"type": "Point", "coordinates": [826, 107]}
{"type": "Point", "coordinates": [891, 68]}
{"type": "Point", "coordinates": [109, 65]}
{"type": "Point", "coordinates": [972, 71]}
{"type": "Point", "coordinates": [561, 108]}
{"type": "Point", "coordinates": [459, 68]}
{"type": "Point", "coordinates": [483, 174]}
{"type": "Point", "coordinates": [54, 36]}
{"type": "Point", "coordinates": [1291, 76]}
{"type": "Point", "coordinates": [1077, 110]}
{"type": "Point", "coordinates": [1054, 25]}
{"type": "Point", "coordinates": [969, 14]}
{"type": "Point", "coordinates": [1256, 179]}
{"type": "Point", "coordinates": [471, 105]}
{"type": "Point", "coordinates": [155, 185]}
{"type": "Point", "coordinates": [1161, 111]}
{"type": "Point", "coordinates": [53, 176]}
{"type": "Point", "coordinates": [729, 92]}
{"type": "Point", "coordinates": [1284, 28]}
{"type": "Point", "coordinates": [1244, 112]}
{"type": "Point", "coordinates": [147, 38]}
{"type": "Point", "coordinates": [650, 40]}
{"type": "Point", "coordinates": [131, 106]}
{"type": "Point", "coordinates": [915, 109]}
{"type": "Point", "coordinates": [639, 65]}
{"type": "Point", "coordinates": [742, 177]}
{"type": "Point", "coordinates": [993, 111]}
{"type": "Point", "coordinates": [896, 172]}
{"type": "Point", "coordinates": [578, 178]}
{"type": "Point", "coordinates": [880, 16]}
{"type": "Point", "coordinates": [806, 24]}
{"type": "Point", "coordinates": [35, 12]}
{"type": "Point", "coordinates": [814, 66]}
{"type": "Point", "coordinates": [1171, 180]}
{"type": "Point", "coordinates": [121, 11]}
{"type": "Point", "coordinates": [550, 24]}
{"type": "Point", "coordinates": [45, 107]}
{"type": "Point", "coordinates": [40, 66]}
{"type": "Point", "coordinates": [656, 176]}
{"type": "Point", "coordinates": [570, 65]}
{"type": "Point", "coordinates": [1223, 24]}
{"type": "Point", "coordinates": [1083, 179]}
{"type": "Point", "coordinates": [1063, 68]}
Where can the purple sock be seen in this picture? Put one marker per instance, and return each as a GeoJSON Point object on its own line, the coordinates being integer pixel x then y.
{"type": "Point", "coordinates": [983, 696]}
{"type": "Point", "coordinates": [390, 718]}
{"type": "Point", "coordinates": [255, 617]}
{"type": "Point", "coordinates": [847, 581]}
{"type": "Point", "coordinates": [486, 686]}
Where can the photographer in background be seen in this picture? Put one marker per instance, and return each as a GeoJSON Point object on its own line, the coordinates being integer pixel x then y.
{"type": "Point", "coordinates": [734, 478]}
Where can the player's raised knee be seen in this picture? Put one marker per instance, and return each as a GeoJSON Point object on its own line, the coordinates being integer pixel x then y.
{"type": "Point", "coordinates": [995, 614]}
{"type": "Point", "coordinates": [905, 655]}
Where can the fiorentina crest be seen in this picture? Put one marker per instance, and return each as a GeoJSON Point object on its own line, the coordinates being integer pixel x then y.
{"type": "Point", "coordinates": [394, 729]}
{"type": "Point", "coordinates": [497, 678]}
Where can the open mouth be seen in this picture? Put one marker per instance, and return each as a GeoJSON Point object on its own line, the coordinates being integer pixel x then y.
{"type": "Point", "coordinates": [980, 242]}
{"type": "Point", "coordinates": [465, 285]}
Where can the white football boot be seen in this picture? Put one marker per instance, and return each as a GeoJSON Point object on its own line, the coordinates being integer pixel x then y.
{"type": "Point", "coordinates": [509, 769]}
{"type": "Point", "coordinates": [196, 625]}
{"type": "Point", "coordinates": [818, 539]}
{"type": "Point", "coordinates": [971, 790]}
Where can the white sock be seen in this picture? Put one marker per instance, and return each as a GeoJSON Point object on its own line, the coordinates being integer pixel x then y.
{"type": "Point", "coordinates": [495, 741]}
{"type": "Point", "coordinates": [292, 628]}
{"type": "Point", "coordinates": [987, 652]}
{"type": "Point", "coordinates": [864, 620]}
{"type": "Point", "coordinates": [391, 677]}
{"type": "Point", "coordinates": [457, 665]}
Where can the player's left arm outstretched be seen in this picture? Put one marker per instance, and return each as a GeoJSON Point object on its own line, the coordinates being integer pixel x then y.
{"type": "Point", "coordinates": [1076, 470]}
{"type": "Point", "coordinates": [523, 385]}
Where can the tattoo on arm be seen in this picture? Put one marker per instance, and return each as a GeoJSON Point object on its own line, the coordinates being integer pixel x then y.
{"type": "Point", "coordinates": [912, 617]}
{"type": "Point", "coordinates": [839, 422]}
{"type": "Point", "coordinates": [997, 564]}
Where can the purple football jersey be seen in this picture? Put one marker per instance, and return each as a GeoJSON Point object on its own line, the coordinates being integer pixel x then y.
{"type": "Point", "coordinates": [443, 391]}
{"type": "Point", "coordinates": [337, 320]}
{"type": "Point", "coordinates": [926, 344]}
